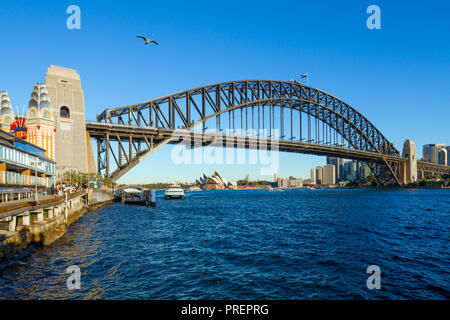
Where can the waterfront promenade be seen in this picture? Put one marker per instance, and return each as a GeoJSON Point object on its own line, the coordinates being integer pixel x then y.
{"type": "Point", "coordinates": [26, 223]}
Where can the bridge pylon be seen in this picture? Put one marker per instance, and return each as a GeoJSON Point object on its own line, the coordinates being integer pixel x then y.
{"type": "Point", "coordinates": [408, 169]}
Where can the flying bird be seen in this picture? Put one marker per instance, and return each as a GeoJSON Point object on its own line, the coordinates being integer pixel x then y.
{"type": "Point", "coordinates": [147, 41]}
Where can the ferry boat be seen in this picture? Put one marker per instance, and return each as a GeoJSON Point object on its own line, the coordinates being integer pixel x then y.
{"type": "Point", "coordinates": [191, 189]}
{"type": "Point", "coordinates": [174, 192]}
{"type": "Point", "coordinates": [268, 188]}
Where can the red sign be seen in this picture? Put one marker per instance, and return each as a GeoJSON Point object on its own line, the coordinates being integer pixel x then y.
{"type": "Point", "coordinates": [19, 129]}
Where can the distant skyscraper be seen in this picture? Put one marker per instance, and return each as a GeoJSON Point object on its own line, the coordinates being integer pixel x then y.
{"type": "Point", "coordinates": [319, 175]}
{"type": "Point", "coordinates": [448, 155]}
{"type": "Point", "coordinates": [275, 176]}
{"type": "Point", "coordinates": [427, 152]}
{"type": "Point", "coordinates": [329, 174]}
{"type": "Point", "coordinates": [339, 167]}
{"type": "Point", "coordinates": [442, 156]}
{"type": "Point", "coordinates": [431, 153]}
{"type": "Point", "coordinates": [313, 176]}
{"type": "Point", "coordinates": [355, 170]}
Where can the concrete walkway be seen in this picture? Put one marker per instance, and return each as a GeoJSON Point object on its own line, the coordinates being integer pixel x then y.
{"type": "Point", "coordinates": [14, 203]}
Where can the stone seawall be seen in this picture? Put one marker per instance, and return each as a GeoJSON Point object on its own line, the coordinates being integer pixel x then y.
{"type": "Point", "coordinates": [39, 224]}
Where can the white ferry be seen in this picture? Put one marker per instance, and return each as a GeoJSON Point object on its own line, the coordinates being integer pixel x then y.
{"type": "Point", "coordinates": [191, 189]}
{"type": "Point", "coordinates": [174, 192]}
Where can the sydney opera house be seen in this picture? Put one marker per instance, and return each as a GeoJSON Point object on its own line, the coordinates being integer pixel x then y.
{"type": "Point", "coordinates": [214, 182]}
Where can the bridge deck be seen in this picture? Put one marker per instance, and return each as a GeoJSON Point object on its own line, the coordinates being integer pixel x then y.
{"type": "Point", "coordinates": [197, 139]}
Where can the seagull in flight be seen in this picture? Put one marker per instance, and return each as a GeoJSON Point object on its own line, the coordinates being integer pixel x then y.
{"type": "Point", "coordinates": [147, 41]}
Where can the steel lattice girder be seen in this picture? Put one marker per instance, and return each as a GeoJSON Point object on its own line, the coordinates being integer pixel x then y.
{"type": "Point", "coordinates": [198, 105]}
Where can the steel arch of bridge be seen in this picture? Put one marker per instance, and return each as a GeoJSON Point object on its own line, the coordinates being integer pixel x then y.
{"type": "Point", "coordinates": [193, 107]}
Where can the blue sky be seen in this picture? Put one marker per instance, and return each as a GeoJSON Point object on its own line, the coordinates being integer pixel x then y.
{"type": "Point", "coordinates": [398, 77]}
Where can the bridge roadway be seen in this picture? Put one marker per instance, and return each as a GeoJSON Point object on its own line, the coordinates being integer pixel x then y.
{"type": "Point", "coordinates": [197, 139]}
{"type": "Point", "coordinates": [158, 136]}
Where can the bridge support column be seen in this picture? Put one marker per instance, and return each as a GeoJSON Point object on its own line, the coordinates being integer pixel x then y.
{"type": "Point", "coordinates": [408, 170]}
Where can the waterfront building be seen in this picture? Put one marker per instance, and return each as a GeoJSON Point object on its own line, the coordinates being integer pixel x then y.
{"type": "Point", "coordinates": [275, 176]}
{"type": "Point", "coordinates": [282, 182]}
{"type": "Point", "coordinates": [312, 180]}
{"type": "Point", "coordinates": [295, 182]}
{"type": "Point", "coordinates": [24, 164]}
{"type": "Point", "coordinates": [329, 174]}
{"type": "Point", "coordinates": [214, 182]}
{"type": "Point", "coordinates": [290, 182]}
{"type": "Point", "coordinates": [40, 123]}
{"type": "Point", "coordinates": [6, 112]}
{"type": "Point", "coordinates": [319, 174]}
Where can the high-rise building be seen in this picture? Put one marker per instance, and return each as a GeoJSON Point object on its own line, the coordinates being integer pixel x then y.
{"type": "Point", "coordinates": [339, 167]}
{"type": "Point", "coordinates": [431, 153]}
{"type": "Point", "coordinates": [329, 174]}
{"type": "Point", "coordinates": [319, 174]}
{"type": "Point", "coordinates": [365, 170]}
{"type": "Point", "coordinates": [442, 156]}
{"type": "Point", "coordinates": [275, 176]}
{"type": "Point", "coordinates": [427, 152]}
{"type": "Point", "coordinates": [312, 181]}
{"type": "Point", "coordinates": [448, 155]}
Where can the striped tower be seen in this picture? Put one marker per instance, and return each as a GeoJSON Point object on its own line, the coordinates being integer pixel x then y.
{"type": "Point", "coordinates": [40, 121]}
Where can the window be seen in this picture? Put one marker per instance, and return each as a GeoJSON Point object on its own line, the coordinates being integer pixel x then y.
{"type": "Point", "coordinates": [46, 114]}
{"type": "Point", "coordinates": [64, 112]}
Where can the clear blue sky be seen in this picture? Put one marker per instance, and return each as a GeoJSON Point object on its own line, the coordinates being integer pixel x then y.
{"type": "Point", "coordinates": [398, 77]}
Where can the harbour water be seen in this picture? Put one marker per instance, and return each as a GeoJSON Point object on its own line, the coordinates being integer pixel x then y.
{"type": "Point", "coordinates": [249, 244]}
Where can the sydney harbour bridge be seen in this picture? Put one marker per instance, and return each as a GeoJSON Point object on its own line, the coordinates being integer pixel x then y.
{"type": "Point", "coordinates": [252, 114]}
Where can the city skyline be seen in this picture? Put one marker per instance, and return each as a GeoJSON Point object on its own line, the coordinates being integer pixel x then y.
{"type": "Point", "coordinates": [366, 68]}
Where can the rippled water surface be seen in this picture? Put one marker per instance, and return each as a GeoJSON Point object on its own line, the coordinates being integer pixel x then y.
{"type": "Point", "coordinates": [297, 244]}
